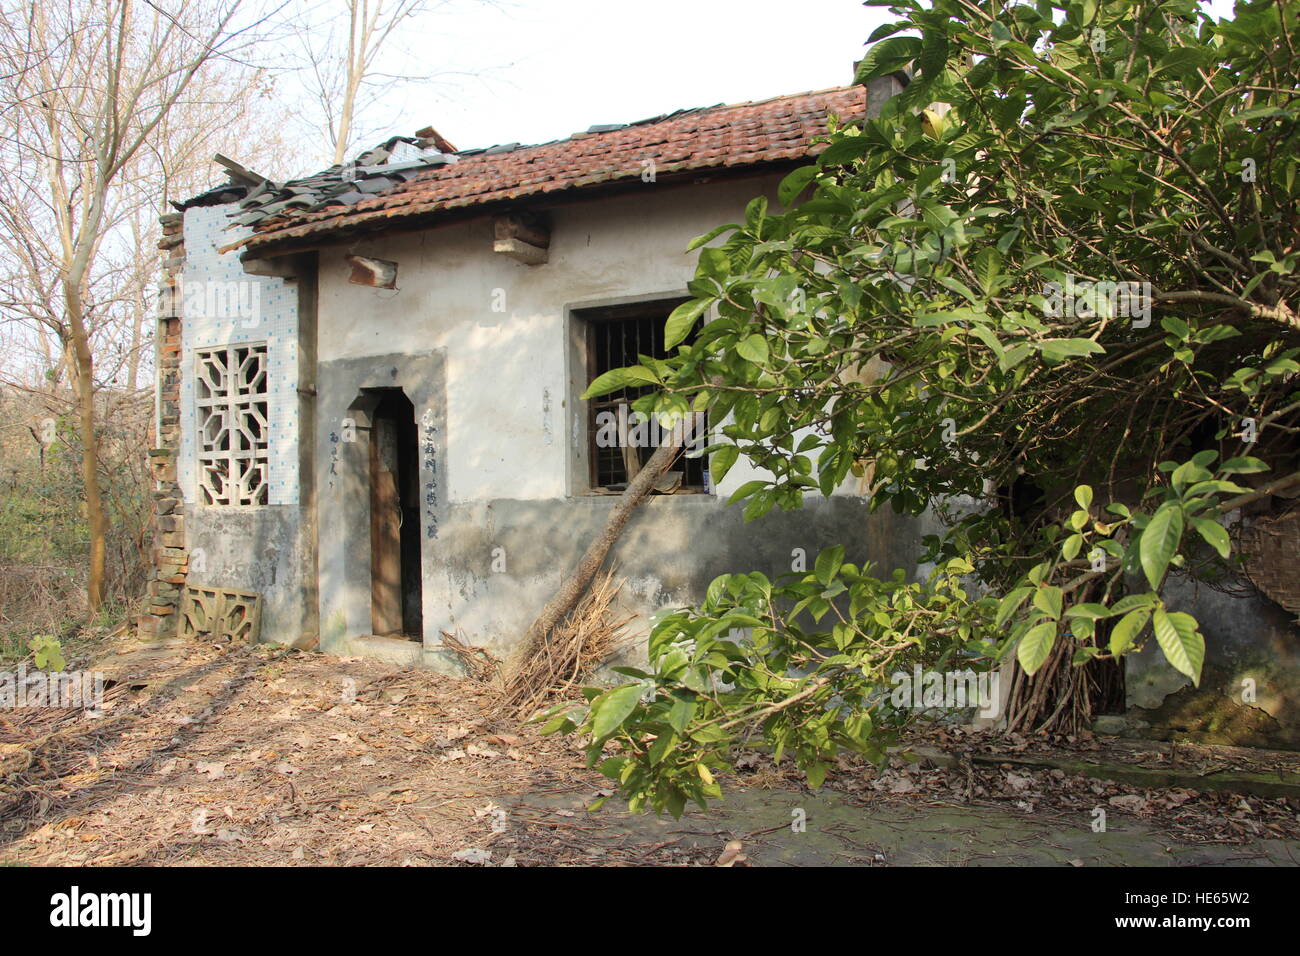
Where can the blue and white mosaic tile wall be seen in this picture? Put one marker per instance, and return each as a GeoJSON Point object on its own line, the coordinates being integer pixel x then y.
{"type": "Point", "coordinates": [224, 305]}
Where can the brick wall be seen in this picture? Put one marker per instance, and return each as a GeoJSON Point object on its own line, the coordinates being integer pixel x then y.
{"type": "Point", "coordinates": [171, 558]}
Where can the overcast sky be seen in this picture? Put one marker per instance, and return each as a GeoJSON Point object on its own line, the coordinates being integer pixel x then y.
{"type": "Point", "coordinates": [530, 71]}
{"type": "Point", "coordinates": [549, 68]}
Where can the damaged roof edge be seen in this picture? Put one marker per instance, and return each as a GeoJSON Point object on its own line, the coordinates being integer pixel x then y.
{"type": "Point", "coordinates": [409, 178]}
{"type": "Point", "coordinates": [290, 241]}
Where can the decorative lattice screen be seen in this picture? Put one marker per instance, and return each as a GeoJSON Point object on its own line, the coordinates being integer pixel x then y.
{"type": "Point", "coordinates": [221, 614]}
{"type": "Point", "coordinates": [230, 394]}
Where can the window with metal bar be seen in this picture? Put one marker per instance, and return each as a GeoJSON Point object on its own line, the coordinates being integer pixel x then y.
{"type": "Point", "coordinates": [620, 442]}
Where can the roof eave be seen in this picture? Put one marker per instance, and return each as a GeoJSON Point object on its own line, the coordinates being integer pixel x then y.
{"type": "Point", "coordinates": [269, 245]}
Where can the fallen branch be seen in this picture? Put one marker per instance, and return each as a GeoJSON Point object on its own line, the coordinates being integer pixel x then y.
{"type": "Point", "coordinates": [581, 643]}
{"type": "Point", "coordinates": [1232, 504]}
{"type": "Point", "coordinates": [480, 666]}
{"type": "Point", "coordinates": [571, 590]}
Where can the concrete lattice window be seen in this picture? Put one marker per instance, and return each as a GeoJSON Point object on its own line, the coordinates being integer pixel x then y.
{"type": "Point", "coordinates": [233, 437]}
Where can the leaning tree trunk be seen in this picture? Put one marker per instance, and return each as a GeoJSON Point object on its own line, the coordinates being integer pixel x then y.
{"type": "Point", "coordinates": [571, 591]}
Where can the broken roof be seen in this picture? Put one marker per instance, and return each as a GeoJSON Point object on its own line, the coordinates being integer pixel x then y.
{"type": "Point", "coordinates": [407, 178]}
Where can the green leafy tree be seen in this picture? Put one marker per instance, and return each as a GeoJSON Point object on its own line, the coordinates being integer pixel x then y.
{"type": "Point", "coordinates": [801, 661]}
{"type": "Point", "coordinates": [1062, 259]}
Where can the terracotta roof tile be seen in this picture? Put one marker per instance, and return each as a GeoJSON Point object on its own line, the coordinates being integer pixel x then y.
{"type": "Point", "coordinates": [740, 135]}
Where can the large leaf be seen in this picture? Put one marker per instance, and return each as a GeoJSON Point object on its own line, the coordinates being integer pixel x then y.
{"type": "Point", "coordinates": [752, 348]}
{"type": "Point", "coordinates": [1160, 540]}
{"type": "Point", "coordinates": [795, 183]}
{"type": "Point", "coordinates": [1214, 534]}
{"type": "Point", "coordinates": [1035, 646]}
{"type": "Point", "coordinates": [1182, 643]}
{"type": "Point", "coordinates": [988, 266]}
{"type": "Point", "coordinates": [619, 378]}
{"type": "Point", "coordinates": [1058, 350]}
{"type": "Point", "coordinates": [747, 489]}
{"type": "Point", "coordinates": [828, 563]}
{"type": "Point", "coordinates": [1126, 630]}
{"type": "Point", "coordinates": [612, 708]}
{"type": "Point", "coordinates": [888, 56]}
{"type": "Point", "coordinates": [1048, 600]}
{"type": "Point", "coordinates": [682, 320]}
{"type": "Point", "coordinates": [720, 462]}
{"type": "Point", "coordinates": [1009, 605]}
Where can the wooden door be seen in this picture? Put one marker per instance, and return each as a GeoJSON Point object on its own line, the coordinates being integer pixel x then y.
{"type": "Point", "coordinates": [385, 531]}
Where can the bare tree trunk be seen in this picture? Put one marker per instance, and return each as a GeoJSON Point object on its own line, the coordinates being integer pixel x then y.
{"type": "Point", "coordinates": [84, 365]}
{"type": "Point", "coordinates": [358, 38]}
{"type": "Point", "coordinates": [138, 308]}
{"type": "Point", "coordinates": [343, 74]}
{"type": "Point", "coordinates": [571, 590]}
{"type": "Point", "coordinates": [85, 115]}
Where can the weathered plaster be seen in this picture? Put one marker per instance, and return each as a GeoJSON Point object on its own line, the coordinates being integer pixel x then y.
{"type": "Point", "coordinates": [502, 325]}
{"type": "Point", "coordinates": [267, 549]}
{"type": "Point", "coordinates": [264, 310]}
{"type": "Point", "coordinates": [1251, 648]}
{"type": "Point", "coordinates": [667, 555]}
{"type": "Point", "coordinates": [260, 549]}
{"type": "Point", "coordinates": [482, 346]}
{"type": "Point", "coordinates": [342, 480]}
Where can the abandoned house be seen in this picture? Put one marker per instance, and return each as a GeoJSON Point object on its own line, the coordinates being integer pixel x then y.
{"type": "Point", "coordinates": [369, 414]}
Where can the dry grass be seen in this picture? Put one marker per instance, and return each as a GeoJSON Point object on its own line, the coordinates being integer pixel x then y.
{"type": "Point", "coordinates": [480, 665]}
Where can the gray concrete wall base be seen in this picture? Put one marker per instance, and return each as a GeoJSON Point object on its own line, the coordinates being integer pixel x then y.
{"type": "Point", "coordinates": [499, 562]}
{"type": "Point", "coordinates": [253, 549]}
{"type": "Point", "coordinates": [1250, 683]}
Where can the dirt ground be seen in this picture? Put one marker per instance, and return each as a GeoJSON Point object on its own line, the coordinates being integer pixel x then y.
{"type": "Point", "coordinates": [218, 755]}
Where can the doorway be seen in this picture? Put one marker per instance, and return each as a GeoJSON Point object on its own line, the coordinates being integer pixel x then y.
{"type": "Point", "coordinates": [396, 581]}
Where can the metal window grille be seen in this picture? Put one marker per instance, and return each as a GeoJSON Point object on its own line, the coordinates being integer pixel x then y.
{"type": "Point", "coordinates": [616, 337]}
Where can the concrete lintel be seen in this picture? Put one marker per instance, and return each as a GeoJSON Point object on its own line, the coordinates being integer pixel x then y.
{"type": "Point", "coordinates": [520, 251]}
{"type": "Point", "coordinates": [284, 267]}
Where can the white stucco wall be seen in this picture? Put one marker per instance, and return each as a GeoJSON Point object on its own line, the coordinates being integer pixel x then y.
{"type": "Point", "coordinates": [511, 418]}
{"type": "Point", "coordinates": [266, 549]}
{"type": "Point", "coordinates": [483, 346]}
{"type": "Point", "coordinates": [248, 309]}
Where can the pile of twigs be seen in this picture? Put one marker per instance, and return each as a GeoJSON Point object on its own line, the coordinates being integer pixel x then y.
{"type": "Point", "coordinates": [480, 665]}
{"type": "Point", "coordinates": [584, 640]}
{"type": "Point", "coordinates": [42, 747]}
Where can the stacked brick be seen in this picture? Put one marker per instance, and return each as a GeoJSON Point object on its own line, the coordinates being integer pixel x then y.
{"type": "Point", "coordinates": [171, 558]}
